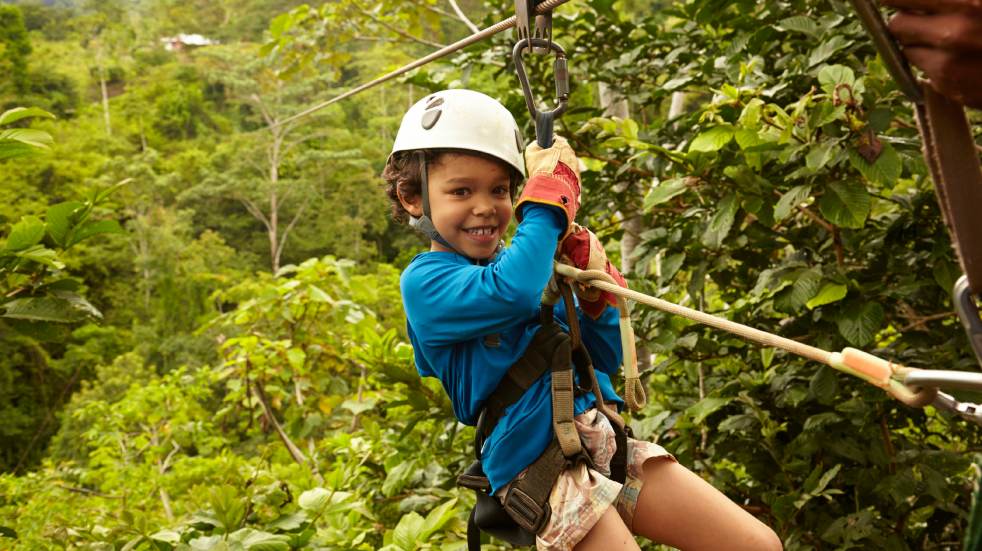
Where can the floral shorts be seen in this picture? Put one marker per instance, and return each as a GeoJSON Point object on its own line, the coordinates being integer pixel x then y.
{"type": "Point", "coordinates": [582, 495]}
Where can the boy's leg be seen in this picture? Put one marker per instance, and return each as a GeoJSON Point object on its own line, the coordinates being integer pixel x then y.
{"type": "Point", "coordinates": [678, 508]}
{"type": "Point", "coordinates": [608, 534]}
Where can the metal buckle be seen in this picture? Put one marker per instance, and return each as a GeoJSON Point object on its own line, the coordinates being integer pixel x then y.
{"type": "Point", "coordinates": [525, 511]}
{"type": "Point", "coordinates": [968, 312]}
{"type": "Point", "coordinates": [543, 119]}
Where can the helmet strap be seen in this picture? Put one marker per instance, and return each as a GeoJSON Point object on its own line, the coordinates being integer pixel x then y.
{"type": "Point", "coordinates": [424, 224]}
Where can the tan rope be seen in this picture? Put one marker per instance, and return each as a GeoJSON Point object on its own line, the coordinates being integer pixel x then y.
{"type": "Point", "coordinates": [756, 335]}
{"type": "Point", "coordinates": [506, 24]}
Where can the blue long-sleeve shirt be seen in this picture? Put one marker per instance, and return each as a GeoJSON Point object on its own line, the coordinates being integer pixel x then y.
{"type": "Point", "coordinates": [452, 305]}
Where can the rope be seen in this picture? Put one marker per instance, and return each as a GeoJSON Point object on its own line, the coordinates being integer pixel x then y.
{"type": "Point", "coordinates": [506, 24]}
{"type": "Point", "coordinates": [874, 370]}
{"type": "Point", "coordinates": [756, 335]}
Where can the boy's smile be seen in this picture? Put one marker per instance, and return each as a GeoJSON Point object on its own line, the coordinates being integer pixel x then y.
{"type": "Point", "coordinates": [470, 203]}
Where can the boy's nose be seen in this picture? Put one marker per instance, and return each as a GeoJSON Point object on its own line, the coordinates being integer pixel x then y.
{"type": "Point", "coordinates": [484, 207]}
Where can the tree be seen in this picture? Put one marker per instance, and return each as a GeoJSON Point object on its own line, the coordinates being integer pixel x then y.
{"type": "Point", "coordinates": [15, 47]}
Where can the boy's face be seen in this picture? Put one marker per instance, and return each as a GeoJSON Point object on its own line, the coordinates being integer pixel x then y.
{"type": "Point", "coordinates": [470, 203]}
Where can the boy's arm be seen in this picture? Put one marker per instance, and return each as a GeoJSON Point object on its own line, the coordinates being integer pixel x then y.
{"type": "Point", "coordinates": [449, 302]}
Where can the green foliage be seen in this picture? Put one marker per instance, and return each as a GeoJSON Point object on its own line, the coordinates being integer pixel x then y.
{"type": "Point", "coordinates": [222, 406]}
{"type": "Point", "coordinates": [15, 47]}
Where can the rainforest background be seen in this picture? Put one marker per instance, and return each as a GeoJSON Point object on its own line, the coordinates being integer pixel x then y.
{"type": "Point", "coordinates": [202, 344]}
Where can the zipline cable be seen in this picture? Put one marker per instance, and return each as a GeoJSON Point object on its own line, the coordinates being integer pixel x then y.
{"type": "Point", "coordinates": [891, 377]}
{"type": "Point", "coordinates": [503, 25]}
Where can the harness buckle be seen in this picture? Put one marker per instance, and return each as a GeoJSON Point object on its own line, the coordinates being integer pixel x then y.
{"type": "Point", "coordinates": [523, 509]}
{"type": "Point", "coordinates": [968, 312]}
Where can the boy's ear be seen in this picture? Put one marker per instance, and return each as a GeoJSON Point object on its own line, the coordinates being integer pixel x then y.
{"type": "Point", "coordinates": [413, 204]}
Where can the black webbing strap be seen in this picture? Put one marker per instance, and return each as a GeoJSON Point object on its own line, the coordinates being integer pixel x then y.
{"type": "Point", "coordinates": [538, 359]}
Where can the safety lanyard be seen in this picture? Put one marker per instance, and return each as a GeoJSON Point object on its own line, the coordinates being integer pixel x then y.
{"type": "Point", "coordinates": [540, 42]}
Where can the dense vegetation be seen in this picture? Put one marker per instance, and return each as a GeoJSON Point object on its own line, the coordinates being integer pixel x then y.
{"type": "Point", "coordinates": [202, 344]}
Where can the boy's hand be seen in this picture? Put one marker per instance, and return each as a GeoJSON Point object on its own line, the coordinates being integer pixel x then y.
{"type": "Point", "coordinates": [554, 179]}
{"type": "Point", "coordinates": [944, 39]}
{"type": "Point", "coordinates": [582, 249]}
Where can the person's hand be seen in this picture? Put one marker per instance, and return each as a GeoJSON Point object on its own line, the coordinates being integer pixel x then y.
{"type": "Point", "coordinates": [944, 39]}
{"type": "Point", "coordinates": [553, 179]}
{"type": "Point", "coordinates": [582, 249]}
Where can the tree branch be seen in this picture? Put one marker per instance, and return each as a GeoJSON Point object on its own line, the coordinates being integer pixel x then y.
{"type": "Point", "coordinates": [396, 30]}
{"type": "Point", "coordinates": [295, 452]}
{"type": "Point", "coordinates": [462, 17]}
{"type": "Point", "coordinates": [254, 211]}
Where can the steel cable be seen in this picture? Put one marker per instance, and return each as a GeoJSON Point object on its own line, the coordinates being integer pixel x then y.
{"type": "Point", "coordinates": [506, 24]}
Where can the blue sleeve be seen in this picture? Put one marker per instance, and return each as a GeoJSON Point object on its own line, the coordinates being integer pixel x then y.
{"type": "Point", "coordinates": [601, 336]}
{"type": "Point", "coordinates": [450, 302]}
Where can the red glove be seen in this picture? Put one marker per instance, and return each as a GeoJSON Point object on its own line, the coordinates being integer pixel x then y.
{"type": "Point", "coordinates": [553, 179]}
{"type": "Point", "coordinates": [944, 39]}
{"type": "Point", "coordinates": [582, 249]}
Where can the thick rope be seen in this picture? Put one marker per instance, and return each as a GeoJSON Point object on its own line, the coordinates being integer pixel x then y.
{"type": "Point", "coordinates": [756, 335]}
{"type": "Point", "coordinates": [872, 369]}
{"type": "Point", "coordinates": [506, 24]}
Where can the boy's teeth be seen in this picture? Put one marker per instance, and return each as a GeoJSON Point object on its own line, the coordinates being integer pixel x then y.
{"type": "Point", "coordinates": [481, 231]}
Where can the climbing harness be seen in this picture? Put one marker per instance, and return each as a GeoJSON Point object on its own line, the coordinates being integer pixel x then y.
{"type": "Point", "coordinates": [914, 387]}
{"type": "Point", "coordinates": [951, 155]}
{"type": "Point", "coordinates": [524, 510]}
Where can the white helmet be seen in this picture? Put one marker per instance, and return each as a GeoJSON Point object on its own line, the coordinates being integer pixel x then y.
{"type": "Point", "coordinates": [461, 119]}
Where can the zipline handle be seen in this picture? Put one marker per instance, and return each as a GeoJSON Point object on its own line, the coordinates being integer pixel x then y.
{"type": "Point", "coordinates": [544, 120]}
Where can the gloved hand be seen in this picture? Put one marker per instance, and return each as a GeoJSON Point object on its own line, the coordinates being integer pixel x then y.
{"type": "Point", "coordinates": [553, 179]}
{"type": "Point", "coordinates": [944, 39]}
{"type": "Point", "coordinates": [582, 249]}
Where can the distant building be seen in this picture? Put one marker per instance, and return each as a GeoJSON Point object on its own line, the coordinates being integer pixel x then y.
{"type": "Point", "coordinates": [185, 41]}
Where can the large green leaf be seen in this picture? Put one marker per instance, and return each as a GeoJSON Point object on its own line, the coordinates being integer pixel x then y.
{"type": "Point", "coordinates": [791, 199]}
{"type": "Point", "coordinates": [829, 293]}
{"type": "Point", "coordinates": [53, 309]}
{"type": "Point", "coordinates": [60, 219]}
{"type": "Point", "coordinates": [27, 136]}
{"type": "Point", "coordinates": [29, 231]}
{"type": "Point", "coordinates": [706, 407]}
{"type": "Point", "coordinates": [89, 229]}
{"type": "Point", "coordinates": [713, 139]}
{"type": "Point", "coordinates": [845, 204]}
{"type": "Point", "coordinates": [886, 169]}
{"type": "Point", "coordinates": [721, 222]}
{"type": "Point", "coordinates": [859, 323]}
{"type": "Point", "coordinates": [407, 533]}
{"type": "Point", "coordinates": [663, 192]}
{"type": "Point", "coordinates": [18, 113]}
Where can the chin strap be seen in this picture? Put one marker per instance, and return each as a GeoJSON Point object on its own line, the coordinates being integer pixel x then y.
{"type": "Point", "coordinates": [424, 225]}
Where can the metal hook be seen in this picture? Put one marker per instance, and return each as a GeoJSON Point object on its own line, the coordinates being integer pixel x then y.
{"type": "Point", "coordinates": [968, 311]}
{"type": "Point", "coordinates": [544, 120]}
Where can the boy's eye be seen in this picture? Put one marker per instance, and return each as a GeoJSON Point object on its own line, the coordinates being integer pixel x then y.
{"type": "Point", "coordinates": [501, 190]}
{"type": "Point", "coordinates": [460, 191]}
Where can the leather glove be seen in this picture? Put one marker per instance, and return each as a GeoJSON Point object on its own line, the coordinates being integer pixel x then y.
{"type": "Point", "coordinates": [944, 39]}
{"type": "Point", "coordinates": [582, 249]}
{"type": "Point", "coordinates": [554, 179]}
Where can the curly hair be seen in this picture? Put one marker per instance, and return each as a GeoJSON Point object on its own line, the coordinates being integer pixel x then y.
{"type": "Point", "coordinates": [402, 175]}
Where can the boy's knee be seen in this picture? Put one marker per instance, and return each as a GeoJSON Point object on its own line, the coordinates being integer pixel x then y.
{"type": "Point", "coordinates": [767, 540]}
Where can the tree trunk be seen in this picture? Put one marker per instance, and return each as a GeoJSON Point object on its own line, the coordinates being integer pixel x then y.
{"type": "Point", "coordinates": [105, 99]}
{"type": "Point", "coordinates": [615, 105]}
{"type": "Point", "coordinates": [274, 205]}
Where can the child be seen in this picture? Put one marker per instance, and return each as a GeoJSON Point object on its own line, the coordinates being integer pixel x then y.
{"type": "Point", "coordinates": [472, 309]}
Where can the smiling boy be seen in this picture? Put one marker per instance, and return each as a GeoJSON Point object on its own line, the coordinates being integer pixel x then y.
{"type": "Point", "coordinates": [472, 307]}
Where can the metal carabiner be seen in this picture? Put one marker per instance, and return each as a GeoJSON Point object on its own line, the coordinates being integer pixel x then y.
{"type": "Point", "coordinates": [968, 312]}
{"type": "Point", "coordinates": [544, 120]}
